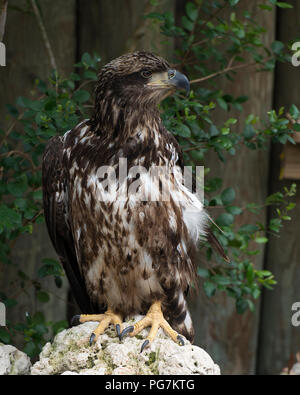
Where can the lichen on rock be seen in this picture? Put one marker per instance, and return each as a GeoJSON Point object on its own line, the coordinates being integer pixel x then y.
{"type": "Point", "coordinates": [70, 353]}
{"type": "Point", "coordinates": [13, 361]}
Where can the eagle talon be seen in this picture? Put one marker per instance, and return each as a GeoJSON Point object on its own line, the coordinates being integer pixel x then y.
{"type": "Point", "coordinates": [109, 317]}
{"type": "Point", "coordinates": [144, 345]}
{"type": "Point", "coordinates": [155, 319]}
{"type": "Point", "coordinates": [129, 329]}
{"type": "Point", "coordinates": [118, 329]}
{"type": "Point", "coordinates": [75, 320]}
{"type": "Point", "coordinates": [92, 339]}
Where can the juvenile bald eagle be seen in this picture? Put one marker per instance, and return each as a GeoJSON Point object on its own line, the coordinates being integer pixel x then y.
{"type": "Point", "coordinates": [131, 255]}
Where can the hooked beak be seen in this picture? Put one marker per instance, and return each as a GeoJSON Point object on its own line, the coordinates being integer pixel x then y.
{"type": "Point", "coordinates": [179, 81]}
{"type": "Point", "coordinates": [170, 79]}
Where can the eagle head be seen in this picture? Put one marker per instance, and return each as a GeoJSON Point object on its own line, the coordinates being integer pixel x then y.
{"type": "Point", "coordinates": [137, 80]}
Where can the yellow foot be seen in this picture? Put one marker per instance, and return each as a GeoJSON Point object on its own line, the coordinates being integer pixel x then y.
{"type": "Point", "coordinates": [155, 319]}
{"type": "Point", "coordinates": [105, 320]}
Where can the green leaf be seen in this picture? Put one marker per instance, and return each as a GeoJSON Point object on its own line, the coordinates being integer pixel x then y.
{"type": "Point", "coordinates": [234, 210]}
{"type": "Point", "coordinates": [248, 228]}
{"type": "Point", "coordinates": [256, 293]}
{"type": "Point", "coordinates": [183, 130]}
{"type": "Point", "coordinates": [261, 240]}
{"type": "Point", "coordinates": [221, 280]}
{"type": "Point", "coordinates": [38, 195]}
{"type": "Point", "coordinates": [250, 274]}
{"type": "Point", "coordinates": [203, 272]}
{"type": "Point", "coordinates": [9, 218]}
{"type": "Point", "coordinates": [263, 273]}
{"type": "Point", "coordinates": [248, 131]}
{"type": "Point", "coordinates": [59, 326]}
{"type": "Point", "coordinates": [265, 7]}
{"type": "Point", "coordinates": [294, 111]}
{"type": "Point", "coordinates": [31, 349]}
{"type": "Point", "coordinates": [228, 196]}
{"type": "Point", "coordinates": [87, 59]}
{"type": "Point", "coordinates": [22, 101]}
{"type": "Point", "coordinates": [10, 302]}
{"type": "Point", "coordinates": [58, 281]}
{"type": "Point", "coordinates": [4, 336]}
{"type": "Point", "coordinates": [81, 96]}
{"type": "Point", "coordinates": [291, 140]}
{"type": "Point", "coordinates": [251, 305]}
{"type": "Point", "coordinates": [213, 130]}
{"type": "Point", "coordinates": [50, 105]}
{"type": "Point", "coordinates": [187, 24]}
{"type": "Point", "coordinates": [225, 219]}
{"type": "Point", "coordinates": [50, 268]}
{"type": "Point", "coordinates": [283, 5]}
{"type": "Point", "coordinates": [241, 305]}
{"type": "Point", "coordinates": [296, 127]}
{"type": "Point", "coordinates": [277, 47]}
{"type": "Point", "coordinates": [231, 121]}
{"type": "Point", "coordinates": [19, 187]}
{"type": "Point", "coordinates": [75, 77]}
{"type": "Point", "coordinates": [191, 11]}
{"type": "Point", "coordinates": [214, 184]}
{"type": "Point", "coordinates": [222, 103]}
{"type": "Point", "coordinates": [90, 75]}
{"type": "Point", "coordinates": [209, 288]}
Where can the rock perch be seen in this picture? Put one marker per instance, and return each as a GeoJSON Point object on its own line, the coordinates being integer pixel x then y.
{"type": "Point", "coordinates": [13, 361]}
{"type": "Point", "coordinates": [70, 354]}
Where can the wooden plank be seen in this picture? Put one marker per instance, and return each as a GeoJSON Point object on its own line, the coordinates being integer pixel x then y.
{"type": "Point", "coordinates": [290, 157]}
{"type": "Point", "coordinates": [231, 339]}
{"type": "Point", "coordinates": [278, 338]}
{"type": "Point", "coordinates": [296, 137]}
{"type": "Point", "coordinates": [112, 28]}
{"type": "Point", "coordinates": [27, 60]}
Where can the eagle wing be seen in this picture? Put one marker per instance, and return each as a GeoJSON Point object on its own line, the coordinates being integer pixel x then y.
{"type": "Point", "coordinates": [210, 237]}
{"type": "Point", "coordinates": [55, 200]}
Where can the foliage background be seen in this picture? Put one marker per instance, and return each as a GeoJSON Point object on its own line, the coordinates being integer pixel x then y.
{"type": "Point", "coordinates": [228, 49]}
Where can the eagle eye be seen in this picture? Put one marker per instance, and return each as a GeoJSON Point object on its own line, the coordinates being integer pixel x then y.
{"type": "Point", "coordinates": [146, 73]}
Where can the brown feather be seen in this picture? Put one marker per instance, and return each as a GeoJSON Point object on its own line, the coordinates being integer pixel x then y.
{"type": "Point", "coordinates": [214, 242]}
